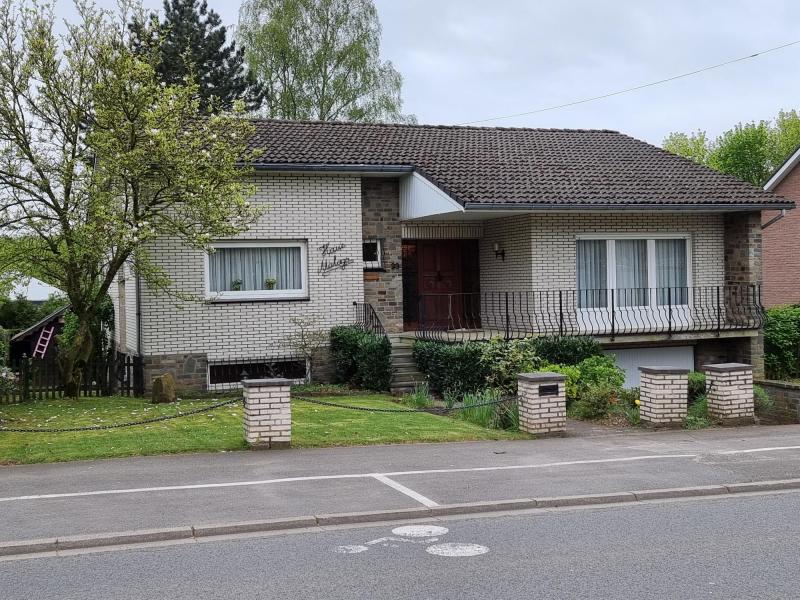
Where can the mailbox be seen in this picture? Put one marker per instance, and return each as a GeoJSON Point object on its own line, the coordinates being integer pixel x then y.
{"type": "Point", "coordinates": [548, 390]}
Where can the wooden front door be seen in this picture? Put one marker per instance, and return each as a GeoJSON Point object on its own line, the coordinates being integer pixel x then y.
{"type": "Point", "coordinates": [440, 276]}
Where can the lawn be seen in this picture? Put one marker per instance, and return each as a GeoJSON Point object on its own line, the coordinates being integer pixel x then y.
{"type": "Point", "coordinates": [217, 430]}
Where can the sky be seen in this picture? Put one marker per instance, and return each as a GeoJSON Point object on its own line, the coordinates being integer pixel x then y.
{"type": "Point", "coordinates": [466, 60]}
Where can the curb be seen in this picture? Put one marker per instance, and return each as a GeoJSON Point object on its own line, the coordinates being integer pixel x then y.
{"type": "Point", "coordinates": [143, 536]}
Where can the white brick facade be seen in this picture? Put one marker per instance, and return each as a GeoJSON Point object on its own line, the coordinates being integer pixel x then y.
{"type": "Point", "coordinates": [317, 209]}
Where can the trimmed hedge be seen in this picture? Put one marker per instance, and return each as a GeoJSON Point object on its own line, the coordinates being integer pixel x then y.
{"type": "Point", "coordinates": [782, 342]}
{"type": "Point", "coordinates": [566, 350]}
{"type": "Point", "coordinates": [451, 368]}
{"type": "Point", "coordinates": [361, 358]}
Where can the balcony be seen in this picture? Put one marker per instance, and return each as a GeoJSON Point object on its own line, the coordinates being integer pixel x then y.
{"type": "Point", "coordinates": [603, 313]}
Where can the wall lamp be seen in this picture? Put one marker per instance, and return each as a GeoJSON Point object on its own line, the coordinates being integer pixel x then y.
{"type": "Point", "coordinates": [498, 252]}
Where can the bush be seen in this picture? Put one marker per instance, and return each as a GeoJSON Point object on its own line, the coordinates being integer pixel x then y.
{"type": "Point", "coordinates": [361, 358]}
{"type": "Point", "coordinates": [697, 386]}
{"type": "Point", "coordinates": [782, 342]}
{"type": "Point", "coordinates": [454, 369]}
{"type": "Point", "coordinates": [601, 370]}
{"type": "Point", "coordinates": [566, 350]}
{"type": "Point", "coordinates": [594, 401]}
{"type": "Point", "coordinates": [763, 401]}
{"type": "Point", "coordinates": [697, 415]}
{"type": "Point", "coordinates": [504, 361]}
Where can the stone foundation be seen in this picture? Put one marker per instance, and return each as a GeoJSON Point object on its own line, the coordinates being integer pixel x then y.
{"type": "Point", "coordinates": [542, 403]}
{"type": "Point", "coordinates": [746, 350]}
{"type": "Point", "coordinates": [663, 396]}
{"type": "Point", "coordinates": [267, 413]}
{"type": "Point", "coordinates": [730, 393]}
{"type": "Point", "coordinates": [786, 399]}
{"type": "Point", "coordinates": [189, 370]}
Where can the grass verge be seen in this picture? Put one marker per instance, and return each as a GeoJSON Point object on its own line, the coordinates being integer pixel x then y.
{"type": "Point", "coordinates": [217, 430]}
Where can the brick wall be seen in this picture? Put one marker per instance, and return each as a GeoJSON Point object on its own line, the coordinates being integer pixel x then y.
{"type": "Point", "coordinates": [380, 215]}
{"type": "Point", "coordinates": [317, 209]}
{"type": "Point", "coordinates": [782, 248]}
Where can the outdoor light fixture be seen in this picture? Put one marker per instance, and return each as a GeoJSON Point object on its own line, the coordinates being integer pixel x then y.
{"type": "Point", "coordinates": [499, 252]}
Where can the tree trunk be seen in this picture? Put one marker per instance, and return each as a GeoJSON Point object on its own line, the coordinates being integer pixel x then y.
{"type": "Point", "coordinates": [74, 358]}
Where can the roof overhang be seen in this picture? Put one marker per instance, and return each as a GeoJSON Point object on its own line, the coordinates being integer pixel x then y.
{"type": "Point", "coordinates": [331, 168]}
{"type": "Point", "coordinates": [625, 206]}
{"type": "Point", "coordinates": [788, 165]}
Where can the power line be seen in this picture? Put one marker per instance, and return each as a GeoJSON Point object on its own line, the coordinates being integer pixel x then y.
{"type": "Point", "coordinates": [635, 88]}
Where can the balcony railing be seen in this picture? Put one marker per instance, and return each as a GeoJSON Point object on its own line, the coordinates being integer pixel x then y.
{"type": "Point", "coordinates": [599, 312]}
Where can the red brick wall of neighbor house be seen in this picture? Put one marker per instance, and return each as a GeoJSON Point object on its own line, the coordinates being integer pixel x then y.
{"type": "Point", "coordinates": [782, 248]}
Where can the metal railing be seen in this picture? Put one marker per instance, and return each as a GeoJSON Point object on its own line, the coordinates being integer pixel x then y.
{"type": "Point", "coordinates": [367, 319]}
{"type": "Point", "coordinates": [598, 312]}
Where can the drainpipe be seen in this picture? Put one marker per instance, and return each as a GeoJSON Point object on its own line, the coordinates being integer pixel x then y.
{"type": "Point", "coordinates": [138, 315]}
{"type": "Point", "coordinates": [774, 219]}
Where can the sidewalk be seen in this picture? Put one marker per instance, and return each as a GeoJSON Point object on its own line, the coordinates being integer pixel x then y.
{"type": "Point", "coordinates": [46, 501]}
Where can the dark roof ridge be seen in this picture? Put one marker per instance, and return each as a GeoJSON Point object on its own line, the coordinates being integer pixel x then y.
{"type": "Point", "coordinates": [430, 126]}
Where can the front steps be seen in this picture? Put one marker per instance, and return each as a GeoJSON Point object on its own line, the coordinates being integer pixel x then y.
{"type": "Point", "coordinates": [405, 376]}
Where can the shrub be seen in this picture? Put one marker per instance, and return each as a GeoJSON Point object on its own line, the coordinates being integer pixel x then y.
{"type": "Point", "coordinates": [9, 381]}
{"type": "Point", "coordinates": [697, 386]}
{"type": "Point", "coordinates": [629, 397]}
{"type": "Point", "coordinates": [594, 401]}
{"type": "Point", "coordinates": [566, 350]}
{"type": "Point", "coordinates": [697, 415]}
{"type": "Point", "coordinates": [503, 361]}
{"type": "Point", "coordinates": [782, 342]}
{"type": "Point", "coordinates": [361, 358]}
{"type": "Point", "coordinates": [454, 369]}
{"type": "Point", "coordinates": [763, 401]}
{"type": "Point", "coordinates": [601, 370]}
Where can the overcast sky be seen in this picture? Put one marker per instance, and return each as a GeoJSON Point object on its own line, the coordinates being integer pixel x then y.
{"type": "Point", "coordinates": [464, 60]}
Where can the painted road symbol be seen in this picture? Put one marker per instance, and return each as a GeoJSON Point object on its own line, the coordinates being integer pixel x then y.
{"type": "Point", "coordinates": [418, 534]}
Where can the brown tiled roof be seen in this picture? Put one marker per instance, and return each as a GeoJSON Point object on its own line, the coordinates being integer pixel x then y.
{"type": "Point", "coordinates": [497, 166]}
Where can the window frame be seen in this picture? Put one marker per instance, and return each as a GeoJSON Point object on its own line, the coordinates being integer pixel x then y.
{"type": "Point", "coordinates": [373, 265]}
{"type": "Point", "coordinates": [251, 295]}
{"type": "Point", "coordinates": [652, 274]}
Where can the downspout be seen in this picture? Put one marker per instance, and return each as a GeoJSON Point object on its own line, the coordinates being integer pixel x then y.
{"type": "Point", "coordinates": [774, 219]}
{"type": "Point", "coordinates": [138, 315]}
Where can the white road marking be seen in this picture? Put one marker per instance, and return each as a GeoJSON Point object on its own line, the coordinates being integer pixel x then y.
{"type": "Point", "coordinates": [751, 450]}
{"type": "Point", "coordinates": [405, 490]}
{"type": "Point", "coordinates": [354, 549]}
{"type": "Point", "coordinates": [456, 549]}
{"type": "Point", "coordinates": [200, 486]}
{"type": "Point", "coordinates": [420, 531]}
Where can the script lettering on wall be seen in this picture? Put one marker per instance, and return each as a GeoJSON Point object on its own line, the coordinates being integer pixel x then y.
{"type": "Point", "coordinates": [330, 261]}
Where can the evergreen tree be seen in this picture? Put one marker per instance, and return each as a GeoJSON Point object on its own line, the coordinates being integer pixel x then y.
{"type": "Point", "coordinates": [192, 41]}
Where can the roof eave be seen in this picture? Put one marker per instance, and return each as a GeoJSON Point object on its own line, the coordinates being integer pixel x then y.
{"type": "Point", "coordinates": [787, 167]}
{"type": "Point", "coordinates": [326, 167]}
{"type": "Point", "coordinates": [697, 207]}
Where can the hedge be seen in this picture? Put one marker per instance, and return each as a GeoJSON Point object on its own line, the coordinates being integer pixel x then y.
{"type": "Point", "coordinates": [451, 368]}
{"type": "Point", "coordinates": [782, 342]}
{"type": "Point", "coordinates": [361, 358]}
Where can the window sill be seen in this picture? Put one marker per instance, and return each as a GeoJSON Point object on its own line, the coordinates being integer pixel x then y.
{"type": "Point", "coordinates": [374, 270]}
{"type": "Point", "coordinates": [255, 300]}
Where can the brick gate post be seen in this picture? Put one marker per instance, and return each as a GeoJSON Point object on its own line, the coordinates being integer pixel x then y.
{"type": "Point", "coordinates": [663, 396]}
{"type": "Point", "coordinates": [267, 413]}
{"type": "Point", "coordinates": [730, 393]}
{"type": "Point", "coordinates": [542, 403]}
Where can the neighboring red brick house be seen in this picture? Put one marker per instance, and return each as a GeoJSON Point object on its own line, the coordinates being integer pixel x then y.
{"type": "Point", "coordinates": [781, 238]}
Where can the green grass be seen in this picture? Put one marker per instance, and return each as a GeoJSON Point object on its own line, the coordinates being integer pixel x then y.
{"type": "Point", "coordinates": [217, 430]}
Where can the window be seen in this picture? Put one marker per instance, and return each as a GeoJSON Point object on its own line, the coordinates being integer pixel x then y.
{"type": "Point", "coordinates": [372, 255]}
{"type": "Point", "coordinates": [257, 271]}
{"type": "Point", "coordinates": [640, 270]}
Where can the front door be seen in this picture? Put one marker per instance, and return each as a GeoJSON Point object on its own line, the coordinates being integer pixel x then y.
{"type": "Point", "coordinates": [440, 276]}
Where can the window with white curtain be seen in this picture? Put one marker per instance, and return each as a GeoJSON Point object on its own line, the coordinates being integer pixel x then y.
{"type": "Point", "coordinates": [639, 270]}
{"type": "Point", "coordinates": [257, 270]}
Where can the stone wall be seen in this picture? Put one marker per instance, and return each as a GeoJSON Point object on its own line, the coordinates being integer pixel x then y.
{"type": "Point", "coordinates": [380, 217]}
{"type": "Point", "coordinates": [189, 370]}
{"type": "Point", "coordinates": [786, 399]}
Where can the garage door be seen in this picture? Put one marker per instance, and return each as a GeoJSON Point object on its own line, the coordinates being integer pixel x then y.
{"type": "Point", "coordinates": [630, 359]}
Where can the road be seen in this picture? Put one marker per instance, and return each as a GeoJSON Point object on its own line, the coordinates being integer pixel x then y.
{"type": "Point", "coordinates": [742, 547]}
{"type": "Point", "coordinates": [97, 497]}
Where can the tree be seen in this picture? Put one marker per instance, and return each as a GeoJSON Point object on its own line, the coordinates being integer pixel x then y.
{"type": "Point", "coordinates": [191, 42]}
{"type": "Point", "coordinates": [751, 152]}
{"type": "Point", "coordinates": [320, 59]}
{"type": "Point", "coordinates": [98, 158]}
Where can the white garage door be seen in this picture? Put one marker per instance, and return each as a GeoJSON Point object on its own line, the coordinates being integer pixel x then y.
{"type": "Point", "coordinates": [630, 359]}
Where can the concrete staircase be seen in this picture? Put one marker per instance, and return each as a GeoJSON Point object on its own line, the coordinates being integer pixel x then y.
{"type": "Point", "coordinates": [405, 375]}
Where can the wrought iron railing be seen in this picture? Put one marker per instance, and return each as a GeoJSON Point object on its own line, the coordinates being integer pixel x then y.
{"type": "Point", "coordinates": [367, 319]}
{"type": "Point", "coordinates": [599, 312]}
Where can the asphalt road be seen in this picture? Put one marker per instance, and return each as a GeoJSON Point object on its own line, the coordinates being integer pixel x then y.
{"type": "Point", "coordinates": [742, 547]}
{"type": "Point", "coordinates": [40, 501]}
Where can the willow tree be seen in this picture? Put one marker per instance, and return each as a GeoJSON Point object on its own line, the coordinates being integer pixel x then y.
{"type": "Point", "coordinates": [98, 159]}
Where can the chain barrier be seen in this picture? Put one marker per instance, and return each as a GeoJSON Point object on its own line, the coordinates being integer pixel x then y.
{"type": "Point", "coordinates": [188, 413]}
{"type": "Point", "coordinates": [436, 410]}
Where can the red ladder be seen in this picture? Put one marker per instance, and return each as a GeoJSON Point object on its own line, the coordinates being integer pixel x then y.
{"type": "Point", "coordinates": [44, 341]}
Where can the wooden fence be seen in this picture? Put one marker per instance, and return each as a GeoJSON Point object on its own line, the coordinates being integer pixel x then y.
{"type": "Point", "coordinates": [40, 379]}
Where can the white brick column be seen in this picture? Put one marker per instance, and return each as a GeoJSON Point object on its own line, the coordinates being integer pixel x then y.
{"type": "Point", "coordinates": [663, 396]}
{"type": "Point", "coordinates": [542, 403]}
{"type": "Point", "coordinates": [267, 413]}
{"type": "Point", "coordinates": [730, 393]}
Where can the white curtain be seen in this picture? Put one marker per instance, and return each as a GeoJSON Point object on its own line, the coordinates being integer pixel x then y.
{"type": "Point", "coordinates": [247, 269]}
{"type": "Point", "coordinates": [592, 275]}
{"type": "Point", "coordinates": [671, 273]}
{"type": "Point", "coordinates": [631, 261]}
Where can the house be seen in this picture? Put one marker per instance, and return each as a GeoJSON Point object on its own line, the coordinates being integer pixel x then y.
{"type": "Point", "coordinates": [464, 233]}
{"type": "Point", "coordinates": [782, 238]}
